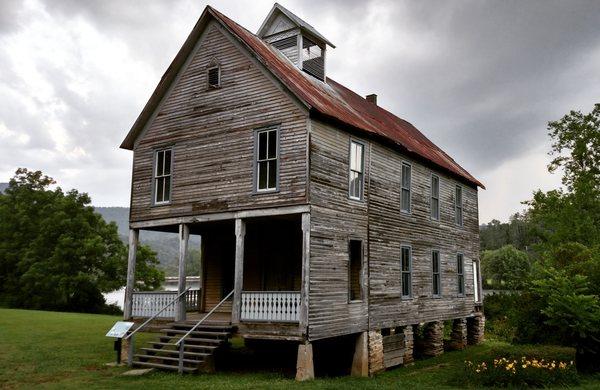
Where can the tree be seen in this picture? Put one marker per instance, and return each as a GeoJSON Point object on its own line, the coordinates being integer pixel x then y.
{"type": "Point", "coordinates": [505, 268]}
{"type": "Point", "coordinates": [56, 253]}
{"type": "Point", "coordinates": [573, 313]}
{"type": "Point", "coordinates": [576, 147]}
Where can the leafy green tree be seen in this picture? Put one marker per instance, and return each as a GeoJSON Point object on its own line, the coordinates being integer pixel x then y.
{"type": "Point", "coordinates": [505, 268]}
{"type": "Point", "coordinates": [572, 214]}
{"type": "Point", "coordinates": [56, 253]}
{"type": "Point", "coordinates": [573, 313]}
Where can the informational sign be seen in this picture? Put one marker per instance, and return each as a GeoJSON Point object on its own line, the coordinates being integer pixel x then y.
{"type": "Point", "coordinates": [119, 329]}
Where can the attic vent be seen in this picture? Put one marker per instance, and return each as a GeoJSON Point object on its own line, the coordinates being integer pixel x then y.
{"type": "Point", "coordinates": [286, 43]}
{"type": "Point", "coordinates": [214, 77]}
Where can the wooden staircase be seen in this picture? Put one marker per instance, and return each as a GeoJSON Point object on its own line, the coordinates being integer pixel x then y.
{"type": "Point", "coordinates": [198, 351]}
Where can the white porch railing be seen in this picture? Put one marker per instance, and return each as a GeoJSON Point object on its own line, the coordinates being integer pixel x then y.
{"type": "Point", "coordinates": [146, 303]}
{"type": "Point", "coordinates": [276, 306]}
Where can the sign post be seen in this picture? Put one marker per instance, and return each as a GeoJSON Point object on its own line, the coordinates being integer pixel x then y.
{"type": "Point", "coordinates": [118, 331]}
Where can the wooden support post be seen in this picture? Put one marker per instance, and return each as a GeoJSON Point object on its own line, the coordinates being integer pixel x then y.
{"type": "Point", "coordinates": [360, 361]}
{"type": "Point", "coordinates": [184, 235]}
{"type": "Point", "coordinates": [201, 276]}
{"type": "Point", "coordinates": [305, 369]}
{"type": "Point", "coordinates": [134, 235]}
{"type": "Point", "coordinates": [240, 233]}
{"type": "Point", "coordinates": [304, 288]}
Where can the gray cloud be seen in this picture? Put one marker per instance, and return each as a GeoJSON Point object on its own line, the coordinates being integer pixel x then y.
{"type": "Point", "coordinates": [480, 78]}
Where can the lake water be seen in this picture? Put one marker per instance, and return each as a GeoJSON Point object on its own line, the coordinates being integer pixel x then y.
{"type": "Point", "coordinates": [117, 297]}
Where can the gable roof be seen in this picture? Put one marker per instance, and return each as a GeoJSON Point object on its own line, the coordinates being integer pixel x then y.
{"type": "Point", "coordinates": [328, 100]}
{"type": "Point", "coordinates": [278, 8]}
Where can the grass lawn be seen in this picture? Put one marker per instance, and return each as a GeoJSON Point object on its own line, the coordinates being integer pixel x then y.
{"type": "Point", "coordinates": [68, 350]}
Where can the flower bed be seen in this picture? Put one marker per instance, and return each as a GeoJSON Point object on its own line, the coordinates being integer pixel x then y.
{"type": "Point", "coordinates": [526, 371]}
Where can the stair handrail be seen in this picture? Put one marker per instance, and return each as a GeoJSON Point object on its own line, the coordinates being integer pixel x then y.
{"type": "Point", "coordinates": [157, 313]}
{"type": "Point", "coordinates": [203, 318]}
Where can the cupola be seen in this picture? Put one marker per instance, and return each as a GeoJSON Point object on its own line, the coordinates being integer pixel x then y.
{"type": "Point", "coordinates": [296, 39]}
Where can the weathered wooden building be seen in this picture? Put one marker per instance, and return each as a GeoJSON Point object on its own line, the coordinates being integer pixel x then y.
{"type": "Point", "coordinates": [320, 213]}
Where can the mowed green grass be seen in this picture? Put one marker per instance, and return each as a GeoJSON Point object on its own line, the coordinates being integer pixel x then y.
{"type": "Point", "coordinates": [68, 350]}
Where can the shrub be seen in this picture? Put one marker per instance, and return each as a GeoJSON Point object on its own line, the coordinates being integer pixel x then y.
{"type": "Point", "coordinates": [521, 372]}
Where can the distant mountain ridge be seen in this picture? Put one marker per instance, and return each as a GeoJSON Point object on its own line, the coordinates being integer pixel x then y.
{"type": "Point", "coordinates": [3, 187]}
{"type": "Point", "coordinates": [166, 245]}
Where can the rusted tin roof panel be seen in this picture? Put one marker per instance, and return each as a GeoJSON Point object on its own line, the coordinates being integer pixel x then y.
{"type": "Point", "coordinates": [337, 102]}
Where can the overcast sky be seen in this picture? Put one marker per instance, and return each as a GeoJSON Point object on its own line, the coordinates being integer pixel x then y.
{"type": "Point", "coordinates": [479, 78]}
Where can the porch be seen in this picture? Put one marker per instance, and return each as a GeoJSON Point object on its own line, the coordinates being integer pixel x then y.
{"type": "Point", "coordinates": [251, 275]}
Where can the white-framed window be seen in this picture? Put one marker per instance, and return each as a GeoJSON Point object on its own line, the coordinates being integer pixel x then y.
{"type": "Point", "coordinates": [458, 205]}
{"type": "Point", "coordinates": [406, 270]}
{"type": "Point", "coordinates": [355, 264]}
{"type": "Point", "coordinates": [162, 175]}
{"type": "Point", "coordinates": [436, 273]}
{"type": "Point", "coordinates": [476, 293]}
{"type": "Point", "coordinates": [357, 167]}
{"type": "Point", "coordinates": [460, 272]}
{"type": "Point", "coordinates": [213, 77]}
{"type": "Point", "coordinates": [405, 201]}
{"type": "Point", "coordinates": [267, 159]}
{"type": "Point", "coordinates": [435, 197]}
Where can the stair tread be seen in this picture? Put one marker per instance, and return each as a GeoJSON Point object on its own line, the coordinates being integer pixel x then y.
{"type": "Point", "coordinates": [191, 346]}
{"type": "Point", "coordinates": [194, 339]}
{"type": "Point", "coordinates": [164, 366]}
{"type": "Point", "coordinates": [168, 358]}
{"type": "Point", "coordinates": [202, 332]}
{"type": "Point", "coordinates": [201, 326]}
{"type": "Point", "coordinates": [174, 351]}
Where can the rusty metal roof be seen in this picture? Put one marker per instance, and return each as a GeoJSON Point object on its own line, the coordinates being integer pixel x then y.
{"type": "Point", "coordinates": [334, 101]}
{"type": "Point", "coordinates": [328, 100]}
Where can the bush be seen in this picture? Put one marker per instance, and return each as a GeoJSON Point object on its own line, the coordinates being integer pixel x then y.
{"type": "Point", "coordinates": [500, 314]}
{"type": "Point", "coordinates": [520, 372]}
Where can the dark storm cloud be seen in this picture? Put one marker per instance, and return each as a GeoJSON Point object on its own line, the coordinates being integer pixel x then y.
{"type": "Point", "coordinates": [480, 78]}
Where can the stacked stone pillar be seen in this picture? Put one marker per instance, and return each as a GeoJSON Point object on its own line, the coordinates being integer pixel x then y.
{"type": "Point", "coordinates": [433, 339]}
{"type": "Point", "coordinates": [409, 344]}
{"type": "Point", "coordinates": [476, 329]}
{"type": "Point", "coordinates": [458, 337]}
{"type": "Point", "coordinates": [376, 363]}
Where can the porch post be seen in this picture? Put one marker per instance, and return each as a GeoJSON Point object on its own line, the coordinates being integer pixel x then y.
{"type": "Point", "coordinates": [305, 273]}
{"type": "Point", "coordinates": [184, 235]}
{"type": "Point", "coordinates": [134, 235]}
{"type": "Point", "coordinates": [240, 233]}
{"type": "Point", "coordinates": [202, 293]}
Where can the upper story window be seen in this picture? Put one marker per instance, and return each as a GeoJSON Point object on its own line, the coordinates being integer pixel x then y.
{"type": "Point", "coordinates": [405, 202]}
{"type": "Point", "coordinates": [435, 197]}
{"type": "Point", "coordinates": [162, 175]}
{"type": "Point", "coordinates": [357, 166]}
{"type": "Point", "coordinates": [436, 278]}
{"type": "Point", "coordinates": [458, 206]}
{"type": "Point", "coordinates": [267, 159]}
{"type": "Point", "coordinates": [406, 270]}
{"type": "Point", "coordinates": [460, 271]}
{"type": "Point", "coordinates": [355, 270]}
{"type": "Point", "coordinates": [213, 76]}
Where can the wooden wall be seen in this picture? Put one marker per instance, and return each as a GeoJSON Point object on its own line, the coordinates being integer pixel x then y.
{"type": "Point", "coordinates": [389, 228]}
{"type": "Point", "coordinates": [335, 219]}
{"type": "Point", "coordinates": [212, 136]}
{"type": "Point", "coordinates": [377, 220]}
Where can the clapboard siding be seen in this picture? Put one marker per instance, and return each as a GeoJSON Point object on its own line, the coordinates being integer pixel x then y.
{"type": "Point", "coordinates": [212, 134]}
{"type": "Point", "coordinates": [379, 222]}
{"type": "Point", "coordinates": [334, 220]}
{"type": "Point", "coordinates": [390, 228]}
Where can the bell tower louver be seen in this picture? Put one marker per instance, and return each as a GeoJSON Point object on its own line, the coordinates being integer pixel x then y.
{"type": "Point", "coordinates": [297, 40]}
